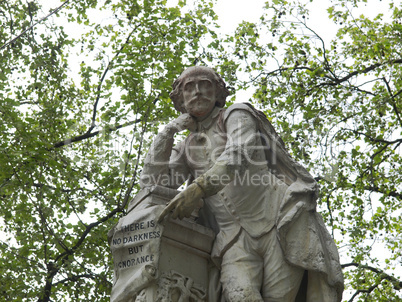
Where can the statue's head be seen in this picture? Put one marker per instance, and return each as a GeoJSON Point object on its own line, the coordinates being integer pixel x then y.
{"type": "Point", "coordinates": [198, 80]}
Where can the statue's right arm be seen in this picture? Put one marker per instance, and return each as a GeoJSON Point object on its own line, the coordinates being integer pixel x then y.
{"type": "Point", "coordinates": [165, 163]}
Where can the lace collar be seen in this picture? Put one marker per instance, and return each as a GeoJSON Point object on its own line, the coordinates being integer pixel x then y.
{"type": "Point", "coordinates": [207, 123]}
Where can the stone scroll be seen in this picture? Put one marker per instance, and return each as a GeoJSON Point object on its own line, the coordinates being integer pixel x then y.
{"type": "Point", "coordinates": [159, 262]}
{"type": "Point", "coordinates": [135, 245]}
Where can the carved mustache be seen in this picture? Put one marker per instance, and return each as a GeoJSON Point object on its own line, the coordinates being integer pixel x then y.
{"type": "Point", "coordinates": [198, 98]}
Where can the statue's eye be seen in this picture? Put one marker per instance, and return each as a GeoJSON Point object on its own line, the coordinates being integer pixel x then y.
{"type": "Point", "coordinates": [189, 86]}
{"type": "Point", "coordinates": [204, 84]}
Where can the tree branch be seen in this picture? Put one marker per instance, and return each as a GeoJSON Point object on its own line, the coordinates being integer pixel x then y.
{"type": "Point", "coordinates": [75, 278]}
{"type": "Point", "coordinates": [359, 291]}
{"type": "Point", "coordinates": [365, 70]}
{"type": "Point", "coordinates": [397, 284]}
{"type": "Point", "coordinates": [327, 65]}
{"type": "Point", "coordinates": [376, 140]}
{"type": "Point", "coordinates": [41, 185]}
{"type": "Point", "coordinates": [376, 189]}
{"type": "Point", "coordinates": [65, 255]}
{"type": "Point", "coordinates": [393, 101]}
{"type": "Point", "coordinates": [133, 178]}
{"type": "Point", "coordinates": [33, 25]}
{"type": "Point", "coordinates": [87, 135]}
{"type": "Point", "coordinates": [109, 65]}
{"type": "Point", "coordinates": [52, 271]}
{"type": "Point", "coordinates": [333, 79]}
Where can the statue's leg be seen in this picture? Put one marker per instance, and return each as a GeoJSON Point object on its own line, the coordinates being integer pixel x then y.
{"type": "Point", "coordinates": [241, 273]}
{"type": "Point", "coordinates": [318, 289]}
{"type": "Point", "coordinates": [281, 281]}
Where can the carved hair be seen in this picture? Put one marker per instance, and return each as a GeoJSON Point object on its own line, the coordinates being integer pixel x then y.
{"type": "Point", "coordinates": [177, 96]}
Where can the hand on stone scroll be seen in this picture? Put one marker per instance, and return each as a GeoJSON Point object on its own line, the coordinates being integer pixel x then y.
{"type": "Point", "coordinates": [184, 203]}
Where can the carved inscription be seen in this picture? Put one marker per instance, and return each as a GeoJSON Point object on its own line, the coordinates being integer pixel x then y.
{"type": "Point", "coordinates": [134, 242]}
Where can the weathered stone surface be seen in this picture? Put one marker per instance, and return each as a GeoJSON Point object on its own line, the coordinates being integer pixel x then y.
{"type": "Point", "coordinates": [270, 244]}
{"type": "Point", "coordinates": [151, 260]}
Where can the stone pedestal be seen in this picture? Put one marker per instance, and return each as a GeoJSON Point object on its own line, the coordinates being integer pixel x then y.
{"type": "Point", "coordinates": [159, 262]}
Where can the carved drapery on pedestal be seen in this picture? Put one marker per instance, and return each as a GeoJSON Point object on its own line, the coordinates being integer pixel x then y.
{"type": "Point", "coordinates": [173, 286]}
{"type": "Point", "coordinates": [159, 262]}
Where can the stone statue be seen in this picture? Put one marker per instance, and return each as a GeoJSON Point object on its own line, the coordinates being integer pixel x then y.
{"type": "Point", "coordinates": [271, 244]}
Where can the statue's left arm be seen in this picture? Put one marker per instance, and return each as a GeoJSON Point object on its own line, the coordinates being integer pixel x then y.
{"type": "Point", "coordinates": [242, 141]}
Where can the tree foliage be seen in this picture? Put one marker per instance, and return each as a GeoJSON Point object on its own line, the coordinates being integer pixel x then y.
{"type": "Point", "coordinates": [83, 91]}
{"type": "Point", "coordinates": [77, 111]}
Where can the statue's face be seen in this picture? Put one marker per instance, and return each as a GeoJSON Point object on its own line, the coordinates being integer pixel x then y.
{"type": "Point", "coordinates": [199, 94]}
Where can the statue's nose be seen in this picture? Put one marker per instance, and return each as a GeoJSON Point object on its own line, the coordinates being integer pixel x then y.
{"type": "Point", "coordinates": [197, 89]}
